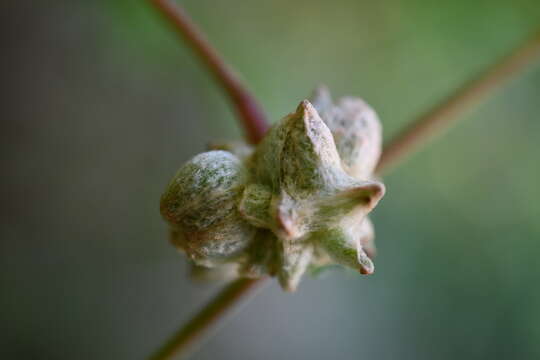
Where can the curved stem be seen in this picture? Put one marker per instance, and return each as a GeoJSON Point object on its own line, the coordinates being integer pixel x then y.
{"type": "Point", "coordinates": [214, 311]}
{"type": "Point", "coordinates": [249, 111]}
{"type": "Point", "coordinates": [467, 96]}
{"type": "Point", "coordinates": [255, 125]}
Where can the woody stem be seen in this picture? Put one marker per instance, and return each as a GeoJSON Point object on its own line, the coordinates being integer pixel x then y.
{"type": "Point", "coordinates": [446, 113]}
{"type": "Point", "coordinates": [210, 316]}
{"type": "Point", "coordinates": [249, 111]}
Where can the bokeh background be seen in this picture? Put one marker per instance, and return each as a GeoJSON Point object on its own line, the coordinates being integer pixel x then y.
{"type": "Point", "coordinates": [102, 103]}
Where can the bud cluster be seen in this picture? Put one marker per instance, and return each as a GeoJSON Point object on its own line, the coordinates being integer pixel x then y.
{"type": "Point", "coordinates": [296, 201]}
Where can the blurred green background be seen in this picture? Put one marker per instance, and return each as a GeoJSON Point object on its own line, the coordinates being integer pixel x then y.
{"type": "Point", "coordinates": [102, 103]}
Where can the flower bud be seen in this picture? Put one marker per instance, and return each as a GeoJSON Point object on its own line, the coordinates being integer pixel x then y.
{"type": "Point", "coordinates": [299, 199]}
{"type": "Point", "coordinates": [200, 204]}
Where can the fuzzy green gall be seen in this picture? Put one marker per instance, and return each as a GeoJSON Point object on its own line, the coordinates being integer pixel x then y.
{"type": "Point", "coordinates": [298, 200]}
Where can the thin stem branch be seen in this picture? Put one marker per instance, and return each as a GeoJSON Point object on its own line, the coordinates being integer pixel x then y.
{"type": "Point", "coordinates": [446, 113]}
{"type": "Point", "coordinates": [249, 111]}
{"type": "Point", "coordinates": [209, 317]}
{"type": "Point", "coordinates": [255, 125]}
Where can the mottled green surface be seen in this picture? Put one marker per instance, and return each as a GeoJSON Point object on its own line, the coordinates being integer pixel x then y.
{"type": "Point", "coordinates": [102, 106]}
{"type": "Point", "coordinates": [295, 184]}
{"type": "Point", "coordinates": [200, 206]}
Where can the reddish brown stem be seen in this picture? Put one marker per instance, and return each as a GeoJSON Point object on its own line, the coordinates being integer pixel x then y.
{"type": "Point", "coordinates": [466, 97]}
{"type": "Point", "coordinates": [255, 125]}
{"type": "Point", "coordinates": [214, 311]}
{"type": "Point", "coordinates": [249, 111]}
